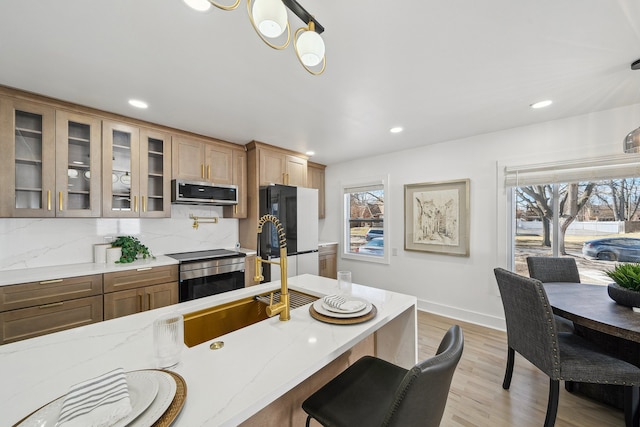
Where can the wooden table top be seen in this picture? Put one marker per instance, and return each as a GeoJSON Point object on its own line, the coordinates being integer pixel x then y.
{"type": "Point", "coordinates": [591, 306]}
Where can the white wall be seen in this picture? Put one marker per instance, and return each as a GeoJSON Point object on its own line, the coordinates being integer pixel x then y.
{"type": "Point", "coordinates": [40, 242]}
{"type": "Point", "coordinates": [464, 287]}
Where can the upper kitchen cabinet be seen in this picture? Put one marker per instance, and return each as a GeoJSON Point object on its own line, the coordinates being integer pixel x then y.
{"type": "Point", "coordinates": [78, 165]}
{"type": "Point", "coordinates": [239, 157]}
{"type": "Point", "coordinates": [277, 166]}
{"type": "Point", "coordinates": [136, 171]}
{"type": "Point", "coordinates": [198, 160]}
{"type": "Point", "coordinates": [27, 142]}
{"type": "Point", "coordinates": [315, 179]}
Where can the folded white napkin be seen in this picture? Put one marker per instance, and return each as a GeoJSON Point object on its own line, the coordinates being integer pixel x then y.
{"type": "Point", "coordinates": [98, 402]}
{"type": "Point", "coordinates": [343, 303]}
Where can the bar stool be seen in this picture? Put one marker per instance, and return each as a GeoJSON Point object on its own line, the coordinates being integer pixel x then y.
{"type": "Point", "coordinates": [374, 392]}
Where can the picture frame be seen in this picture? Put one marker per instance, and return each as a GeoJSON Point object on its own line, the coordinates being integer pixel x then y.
{"type": "Point", "coordinates": [436, 217]}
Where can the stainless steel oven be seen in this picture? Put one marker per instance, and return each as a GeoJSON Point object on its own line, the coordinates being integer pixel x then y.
{"type": "Point", "coordinates": [204, 273]}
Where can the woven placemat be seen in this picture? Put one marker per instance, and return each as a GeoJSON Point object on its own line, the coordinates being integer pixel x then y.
{"type": "Point", "coordinates": [176, 404]}
{"type": "Point", "coordinates": [342, 320]}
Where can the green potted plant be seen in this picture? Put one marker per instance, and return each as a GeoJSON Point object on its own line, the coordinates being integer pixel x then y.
{"type": "Point", "coordinates": [131, 249]}
{"type": "Point", "coordinates": [626, 287]}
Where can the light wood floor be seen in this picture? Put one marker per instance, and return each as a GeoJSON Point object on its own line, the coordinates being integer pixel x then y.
{"type": "Point", "coordinates": [477, 398]}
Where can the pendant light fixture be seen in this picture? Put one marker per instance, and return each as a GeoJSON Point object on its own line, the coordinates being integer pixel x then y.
{"type": "Point", "coordinates": [270, 21]}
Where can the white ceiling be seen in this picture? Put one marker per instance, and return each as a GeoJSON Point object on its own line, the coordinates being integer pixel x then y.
{"type": "Point", "coordinates": [442, 70]}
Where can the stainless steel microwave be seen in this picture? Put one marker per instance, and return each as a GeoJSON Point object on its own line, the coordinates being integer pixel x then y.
{"type": "Point", "coordinates": [203, 193]}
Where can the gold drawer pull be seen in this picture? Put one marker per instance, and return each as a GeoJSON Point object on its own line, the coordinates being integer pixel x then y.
{"type": "Point", "coordinates": [144, 269]}
{"type": "Point", "coordinates": [60, 202]}
{"type": "Point", "coordinates": [46, 282]}
{"type": "Point", "coordinates": [55, 304]}
{"type": "Point", "coordinates": [48, 200]}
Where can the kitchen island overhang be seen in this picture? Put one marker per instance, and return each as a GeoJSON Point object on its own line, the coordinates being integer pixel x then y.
{"type": "Point", "coordinates": [257, 365]}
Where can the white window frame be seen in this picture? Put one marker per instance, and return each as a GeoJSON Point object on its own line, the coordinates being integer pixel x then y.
{"type": "Point", "coordinates": [353, 187]}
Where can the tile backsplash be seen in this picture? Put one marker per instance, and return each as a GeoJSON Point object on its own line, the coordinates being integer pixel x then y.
{"type": "Point", "coordinates": [41, 242]}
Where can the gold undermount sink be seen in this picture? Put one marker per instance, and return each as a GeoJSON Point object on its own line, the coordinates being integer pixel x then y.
{"type": "Point", "coordinates": [209, 323]}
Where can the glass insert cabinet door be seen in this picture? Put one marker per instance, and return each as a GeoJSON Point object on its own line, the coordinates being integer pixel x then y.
{"type": "Point", "coordinates": [121, 170]}
{"type": "Point", "coordinates": [78, 165]}
{"type": "Point", "coordinates": [155, 173]}
{"type": "Point", "coordinates": [27, 140]}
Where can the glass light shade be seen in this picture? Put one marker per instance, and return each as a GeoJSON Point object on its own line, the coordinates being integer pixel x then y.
{"type": "Point", "coordinates": [199, 5]}
{"type": "Point", "coordinates": [632, 142]}
{"type": "Point", "coordinates": [270, 17]}
{"type": "Point", "coordinates": [310, 48]}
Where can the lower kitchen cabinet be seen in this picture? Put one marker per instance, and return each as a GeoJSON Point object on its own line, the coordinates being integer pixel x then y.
{"type": "Point", "coordinates": [132, 291]}
{"type": "Point", "coordinates": [250, 271]}
{"type": "Point", "coordinates": [328, 261]}
{"type": "Point", "coordinates": [123, 303]}
{"type": "Point", "coordinates": [47, 318]}
{"type": "Point", "coordinates": [28, 310]}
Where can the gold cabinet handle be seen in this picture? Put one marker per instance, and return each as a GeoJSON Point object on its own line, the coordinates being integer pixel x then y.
{"type": "Point", "coordinates": [135, 203]}
{"type": "Point", "coordinates": [202, 170]}
{"type": "Point", "coordinates": [46, 282]}
{"type": "Point", "coordinates": [235, 209]}
{"type": "Point", "coordinates": [48, 199]}
{"type": "Point", "coordinates": [144, 269]}
{"type": "Point", "coordinates": [55, 304]}
{"type": "Point", "coordinates": [144, 204]}
{"type": "Point", "coordinates": [208, 171]}
{"type": "Point", "coordinates": [60, 200]}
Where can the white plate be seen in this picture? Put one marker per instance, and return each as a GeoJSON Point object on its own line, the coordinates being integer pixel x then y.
{"type": "Point", "coordinates": [166, 393]}
{"type": "Point", "coordinates": [339, 310]}
{"type": "Point", "coordinates": [143, 388]}
{"type": "Point", "coordinates": [318, 306]}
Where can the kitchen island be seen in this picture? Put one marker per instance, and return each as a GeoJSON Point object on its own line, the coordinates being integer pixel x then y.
{"type": "Point", "coordinates": [247, 381]}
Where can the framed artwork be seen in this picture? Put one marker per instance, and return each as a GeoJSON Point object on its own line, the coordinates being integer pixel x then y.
{"type": "Point", "coordinates": [436, 217]}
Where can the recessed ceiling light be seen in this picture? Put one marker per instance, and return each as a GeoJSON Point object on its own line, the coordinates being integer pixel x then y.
{"type": "Point", "coordinates": [310, 153]}
{"type": "Point", "coordinates": [199, 5]}
{"type": "Point", "coordinates": [137, 103]}
{"type": "Point", "coordinates": [541, 104]}
{"type": "Point", "coordinates": [396, 129]}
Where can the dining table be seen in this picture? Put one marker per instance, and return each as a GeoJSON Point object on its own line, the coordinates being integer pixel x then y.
{"type": "Point", "coordinates": [596, 317]}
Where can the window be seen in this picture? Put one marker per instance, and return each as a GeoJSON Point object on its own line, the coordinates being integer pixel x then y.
{"type": "Point", "coordinates": [365, 225]}
{"type": "Point", "coordinates": [588, 210]}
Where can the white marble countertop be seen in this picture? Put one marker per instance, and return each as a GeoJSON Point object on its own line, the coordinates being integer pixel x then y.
{"type": "Point", "coordinates": [257, 365]}
{"type": "Point", "coordinates": [36, 274]}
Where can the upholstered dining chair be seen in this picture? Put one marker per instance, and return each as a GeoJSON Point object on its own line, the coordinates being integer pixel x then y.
{"type": "Point", "coordinates": [562, 356]}
{"type": "Point", "coordinates": [373, 392]}
{"type": "Point", "coordinates": [555, 269]}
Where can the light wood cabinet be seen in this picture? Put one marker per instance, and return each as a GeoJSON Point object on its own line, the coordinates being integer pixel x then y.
{"type": "Point", "coordinates": [240, 180]}
{"type": "Point", "coordinates": [28, 310]}
{"type": "Point", "coordinates": [132, 291]}
{"type": "Point", "coordinates": [199, 160]}
{"type": "Point", "coordinates": [277, 167]}
{"type": "Point", "coordinates": [250, 271]}
{"type": "Point", "coordinates": [315, 179]}
{"type": "Point", "coordinates": [78, 165]}
{"type": "Point", "coordinates": [328, 261]}
{"type": "Point", "coordinates": [124, 303]}
{"type": "Point", "coordinates": [137, 171]}
{"type": "Point", "coordinates": [27, 143]}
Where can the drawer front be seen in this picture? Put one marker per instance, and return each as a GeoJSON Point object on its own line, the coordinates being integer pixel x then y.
{"type": "Point", "coordinates": [31, 322]}
{"type": "Point", "coordinates": [24, 295]}
{"type": "Point", "coordinates": [145, 276]}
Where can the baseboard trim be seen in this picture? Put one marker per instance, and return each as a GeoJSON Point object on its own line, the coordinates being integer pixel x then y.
{"type": "Point", "coordinates": [481, 319]}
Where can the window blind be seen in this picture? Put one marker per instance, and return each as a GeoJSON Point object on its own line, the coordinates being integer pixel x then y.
{"type": "Point", "coordinates": [621, 166]}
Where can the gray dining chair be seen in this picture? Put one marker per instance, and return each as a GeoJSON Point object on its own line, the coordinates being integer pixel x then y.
{"type": "Point", "coordinates": [555, 269]}
{"type": "Point", "coordinates": [562, 356]}
{"type": "Point", "coordinates": [373, 392]}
